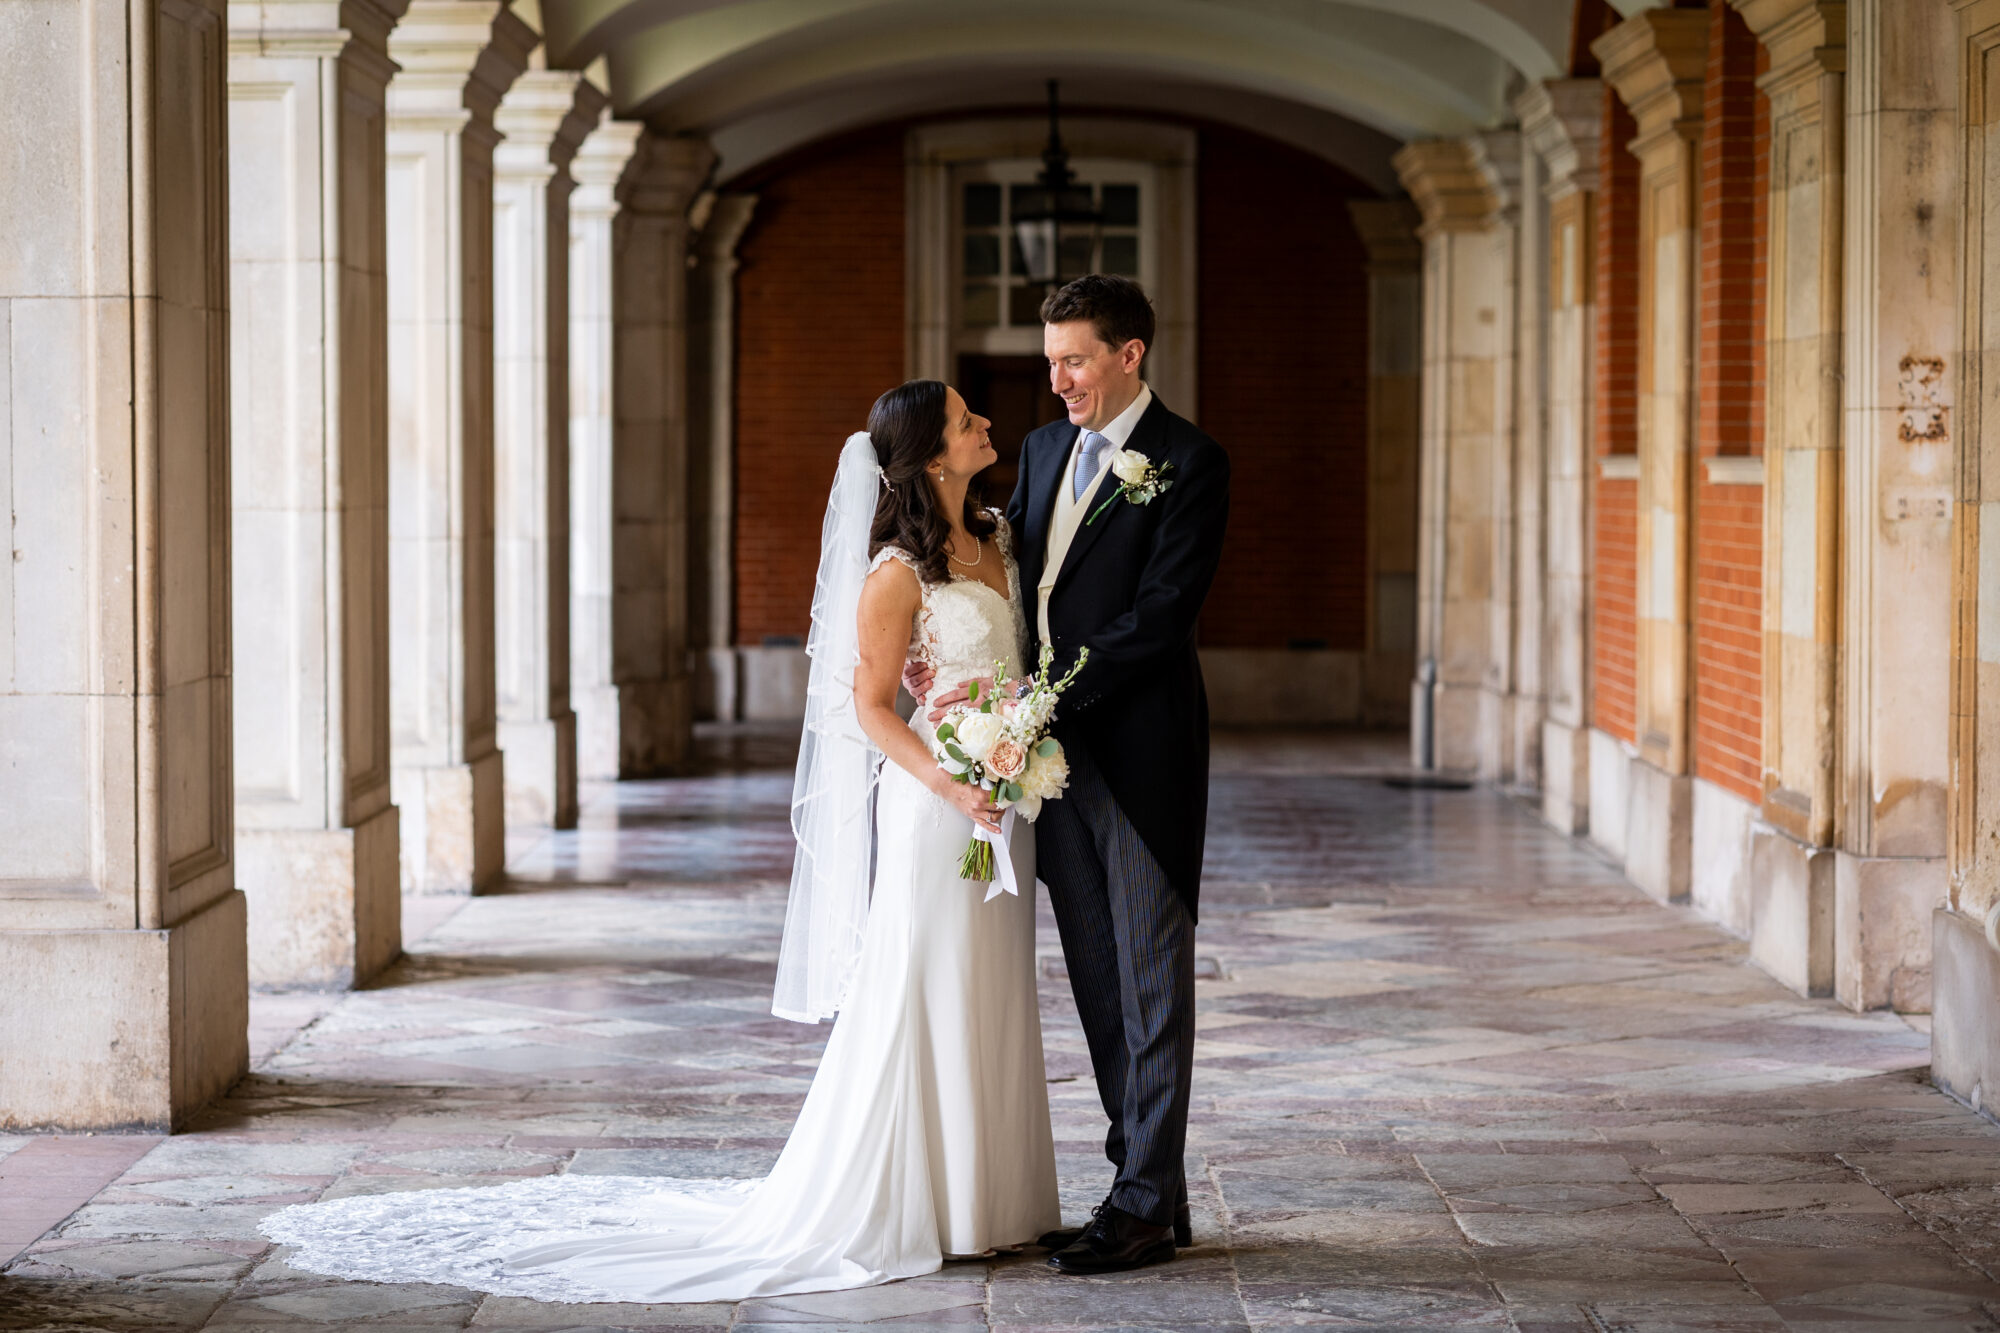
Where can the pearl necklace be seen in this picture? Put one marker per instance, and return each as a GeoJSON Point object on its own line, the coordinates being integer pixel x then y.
{"type": "Point", "coordinates": [972, 563]}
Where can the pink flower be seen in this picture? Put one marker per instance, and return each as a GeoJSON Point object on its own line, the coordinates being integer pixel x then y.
{"type": "Point", "coordinates": [1007, 759]}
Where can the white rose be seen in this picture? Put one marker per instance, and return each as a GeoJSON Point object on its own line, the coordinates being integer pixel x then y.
{"type": "Point", "coordinates": [1046, 776]}
{"type": "Point", "coordinates": [1028, 807]}
{"type": "Point", "coordinates": [1129, 466]}
{"type": "Point", "coordinates": [977, 732]}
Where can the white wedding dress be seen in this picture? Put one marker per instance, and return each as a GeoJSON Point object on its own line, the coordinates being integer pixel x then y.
{"type": "Point", "coordinates": [926, 1132]}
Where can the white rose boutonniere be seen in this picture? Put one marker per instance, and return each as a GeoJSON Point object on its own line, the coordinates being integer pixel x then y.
{"type": "Point", "coordinates": [1140, 480]}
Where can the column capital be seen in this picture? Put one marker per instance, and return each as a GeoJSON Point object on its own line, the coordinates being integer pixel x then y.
{"type": "Point", "coordinates": [665, 175]}
{"type": "Point", "coordinates": [324, 29]}
{"type": "Point", "coordinates": [1805, 39]}
{"type": "Point", "coordinates": [728, 215]}
{"type": "Point", "coordinates": [1656, 61]}
{"type": "Point", "coordinates": [458, 58]}
{"type": "Point", "coordinates": [600, 164]}
{"type": "Point", "coordinates": [545, 116]}
{"type": "Point", "coordinates": [1388, 228]}
{"type": "Point", "coordinates": [1449, 187]}
{"type": "Point", "coordinates": [1497, 154]}
{"type": "Point", "coordinates": [1563, 120]}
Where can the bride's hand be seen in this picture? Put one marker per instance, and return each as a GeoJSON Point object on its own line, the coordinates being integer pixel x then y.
{"type": "Point", "coordinates": [970, 800]}
{"type": "Point", "coordinates": [944, 703]}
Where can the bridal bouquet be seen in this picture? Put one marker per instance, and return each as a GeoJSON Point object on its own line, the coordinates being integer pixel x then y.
{"type": "Point", "coordinates": [1004, 746]}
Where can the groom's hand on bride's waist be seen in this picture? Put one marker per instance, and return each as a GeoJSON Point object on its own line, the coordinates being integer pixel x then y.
{"type": "Point", "coordinates": [951, 699]}
{"type": "Point", "coordinates": [917, 678]}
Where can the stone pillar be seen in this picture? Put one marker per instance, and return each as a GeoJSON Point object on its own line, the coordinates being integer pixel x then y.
{"type": "Point", "coordinates": [1792, 901]}
{"type": "Point", "coordinates": [544, 118]}
{"type": "Point", "coordinates": [1965, 938]}
{"type": "Point", "coordinates": [712, 442]}
{"type": "Point", "coordinates": [123, 978]}
{"type": "Point", "coordinates": [1655, 62]}
{"type": "Point", "coordinates": [1459, 698]}
{"type": "Point", "coordinates": [317, 835]}
{"type": "Point", "coordinates": [1388, 228]}
{"type": "Point", "coordinates": [458, 58]}
{"type": "Point", "coordinates": [597, 167]}
{"type": "Point", "coordinates": [650, 554]}
{"type": "Point", "coordinates": [1898, 460]}
{"type": "Point", "coordinates": [1563, 120]}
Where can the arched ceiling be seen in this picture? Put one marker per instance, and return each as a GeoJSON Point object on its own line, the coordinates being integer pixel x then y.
{"type": "Point", "coordinates": [1345, 78]}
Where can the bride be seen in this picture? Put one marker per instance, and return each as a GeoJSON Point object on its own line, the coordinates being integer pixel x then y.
{"type": "Point", "coordinates": [926, 1132]}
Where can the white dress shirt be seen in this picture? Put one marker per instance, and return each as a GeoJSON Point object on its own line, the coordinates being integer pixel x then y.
{"type": "Point", "coordinates": [1070, 512]}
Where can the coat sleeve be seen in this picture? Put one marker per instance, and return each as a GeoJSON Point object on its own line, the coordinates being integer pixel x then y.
{"type": "Point", "coordinates": [1017, 504]}
{"type": "Point", "coordinates": [1180, 566]}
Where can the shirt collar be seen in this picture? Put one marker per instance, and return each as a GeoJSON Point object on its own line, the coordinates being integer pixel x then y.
{"type": "Point", "coordinates": [1122, 425]}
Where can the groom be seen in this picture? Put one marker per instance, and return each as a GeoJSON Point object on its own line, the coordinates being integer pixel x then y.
{"type": "Point", "coordinates": [1125, 577]}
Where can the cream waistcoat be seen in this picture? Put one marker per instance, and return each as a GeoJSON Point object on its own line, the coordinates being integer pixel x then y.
{"type": "Point", "coordinates": [1070, 513]}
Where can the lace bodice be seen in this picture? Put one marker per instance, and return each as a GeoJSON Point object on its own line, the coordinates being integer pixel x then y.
{"type": "Point", "coordinates": [964, 626]}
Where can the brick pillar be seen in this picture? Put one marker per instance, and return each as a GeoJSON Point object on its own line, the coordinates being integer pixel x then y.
{"type": "Point", "coordinates": [544, 118]}
{"type": "Point", "coordinates": [1562, 120]}
{"type": "Point", "coordinates": [123, 988]}
{"type": "Point", "coordinates": [317, 835]}
{"type": "Point", "coordinates": [1655, 62]}
{"type": "Point", "coordinates": [458, 59]}
{"type": "Point", "coordinates": [1459, 697]}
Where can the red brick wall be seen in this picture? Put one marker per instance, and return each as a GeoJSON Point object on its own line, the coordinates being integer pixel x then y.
{"type": "Point", "coordinates": [1615, 428]}
{"type": "Point", "coordinates": [1729, 358]}
{"type": "Point", "coordinates": [1284, 386]}
{"type": "Point", "coordinates": [819, 336]}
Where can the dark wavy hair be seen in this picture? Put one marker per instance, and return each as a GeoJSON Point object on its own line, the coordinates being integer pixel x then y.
{"type": "Point", "coordinates": [907, 425]}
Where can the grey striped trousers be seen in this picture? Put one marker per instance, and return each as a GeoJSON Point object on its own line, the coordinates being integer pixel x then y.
{"type": "Point", "coordinates": [1129, 944]}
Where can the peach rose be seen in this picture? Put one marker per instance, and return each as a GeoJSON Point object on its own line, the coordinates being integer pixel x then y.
{"type": "Point", "coordinates": [1007, 759]}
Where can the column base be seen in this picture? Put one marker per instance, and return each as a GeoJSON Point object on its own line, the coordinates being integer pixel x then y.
{"type": "Point", "coordinates": [656, 727]}
{"type": "Point", "coordinates": [1791, 910]}
{"type": "Point", "coordinates": [1720, 883]}
{"type": "Point", "coordinates": [541, 771]}
{"type": "Point", "coordinates": [717, 694]}
{"type": "Point", "coordinates": [1565, 777]}
{"type": "Point", "coordinates": [1965, 1027]}
{"type": "Point", "coordinates": [1611, 763]}
{"type": "Point", "coordinates": [1521, 741]}
{"type": "Point", "coordinates": [596, 711]}
{"type": "Point", "coordinates": [130, 1030]}
{"type": "Point", "coordinates": [325, 905]}
{"type": "Point", "coordinates": [1882, 908]}
{"type": "Point", "coordinates": [454, 821]}
{"type": "Point", "coordinates": [1467, 722]}
{"type": "Point", "coordinates": [1659, 831]}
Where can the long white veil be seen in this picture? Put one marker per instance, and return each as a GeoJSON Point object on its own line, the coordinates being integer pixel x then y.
{"type": "Point", "coordinates": [833, 794]}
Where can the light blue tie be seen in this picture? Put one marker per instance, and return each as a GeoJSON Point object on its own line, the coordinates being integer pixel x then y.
{"type": "Point", "coordinates": [1086, 463]}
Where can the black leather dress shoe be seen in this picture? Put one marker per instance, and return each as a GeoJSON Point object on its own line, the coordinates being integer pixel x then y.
{"type": "Point", "coordinates": [1114, 1242]}
{"type": "Point", "coordinates": [1064, 1237]}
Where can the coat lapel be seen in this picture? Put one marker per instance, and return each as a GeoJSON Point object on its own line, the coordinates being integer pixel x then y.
{"type": "Point", "coordinates": [1149, 438]}
{"type": "Point", "coordinates": [1048, 481]}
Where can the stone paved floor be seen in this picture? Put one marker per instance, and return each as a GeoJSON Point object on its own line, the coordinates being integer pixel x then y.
{"type": "Point", "coordinates": [1453, 1073]}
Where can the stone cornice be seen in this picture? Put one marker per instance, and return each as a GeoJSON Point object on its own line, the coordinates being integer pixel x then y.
{"type": "Point", "coordinates": [1805, 37]}
{"type": "Point", "coordinates": [545, 117]}
{"type": "Point", "coordinates": [1450, 190]}
{"type": "Point", "coordinates": [458, 59]}
{"type": "Point", "coordinates": [727, 217]}
{"type": "Point", "coordinates": [1388, 227]}
{"type": "Point", "coordinates": [1497, 153]}
{"type": "Point", "coordinates": [665, 175]}
{"type": "Point", "coordinates": [356, 30]}
{"type": "Point", "coordinates": [1563, 120]}
{"type": "Point", "coordinates": [599, 165]}
{"type": "Point", "coordinates": [1655, 60]}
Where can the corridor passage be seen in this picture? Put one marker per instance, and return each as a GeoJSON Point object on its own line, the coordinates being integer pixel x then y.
{"type": "Point", "coordinates": [1453, 1073]}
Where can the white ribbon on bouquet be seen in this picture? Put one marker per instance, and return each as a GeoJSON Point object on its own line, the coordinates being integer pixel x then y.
{"type": "Point", "coordinates": [1004, 882]}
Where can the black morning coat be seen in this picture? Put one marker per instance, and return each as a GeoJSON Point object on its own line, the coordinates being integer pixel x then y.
{"type": "Point", "coordinates": [1130, 590]}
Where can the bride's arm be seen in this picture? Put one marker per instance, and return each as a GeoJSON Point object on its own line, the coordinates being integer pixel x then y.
{"type": "Point", "coordinates": [890, 600]}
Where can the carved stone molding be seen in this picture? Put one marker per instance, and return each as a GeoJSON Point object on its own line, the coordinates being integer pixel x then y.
{"type": "Point", "coordinates": [1563, 120]}
{"type": "Point", "coordinates": [1655, 61]}
{"type": "Point", "coordinates": [1449, 187]}
{"type": "Point", "coordinates": [1388, 228]}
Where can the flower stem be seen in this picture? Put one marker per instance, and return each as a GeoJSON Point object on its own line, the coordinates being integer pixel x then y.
{"type": "Point", "coordinates": [1108, 500]}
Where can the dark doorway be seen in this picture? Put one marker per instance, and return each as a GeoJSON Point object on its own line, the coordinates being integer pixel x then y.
{"type": "Point", "coordinates": [1013, 393]}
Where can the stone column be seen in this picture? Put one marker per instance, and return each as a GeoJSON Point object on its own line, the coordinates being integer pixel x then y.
{"type": "Point", "coordinates": [1458, 698]}
{"type": "Point", "coordinates": [544, 118]}
{"type": "Point", "coordinates": [1520, 617]}
{"type": "Point", "coordinates": [458, 58]}
{"type": "Point", "coordinates": [317, 836]}
{"type": "Point", "coordinates": [123, 978]}
{"type": "Point", "coordinates": [650, 554]}
{"type": "Point", "coordinates": [712, 442]}
{"type": "Point", "coordinates": [1388, 228]}
{"type": "Point", "coordinates": [1563, 120]}
{"type": "Point", "coordinates": [1965, 938]}
{"type": "Point", "coordinates": [597, 167]}
{"type": "Point", "coordinates": [1655, 62]}
{"type": "Point", "coordinates": [1792, 874]}
{"type": "Point", "coordinates": [1898, 460]}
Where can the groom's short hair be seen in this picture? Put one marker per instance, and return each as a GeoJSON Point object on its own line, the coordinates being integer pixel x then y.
{"type": "Point", "coordinates": [1116, 307]}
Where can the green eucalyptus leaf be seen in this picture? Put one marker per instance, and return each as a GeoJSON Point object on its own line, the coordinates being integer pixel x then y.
{"type": "Point", "coordinates": [1047, 748]}
{"type": "Point", "coordinates": [946, 731]}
